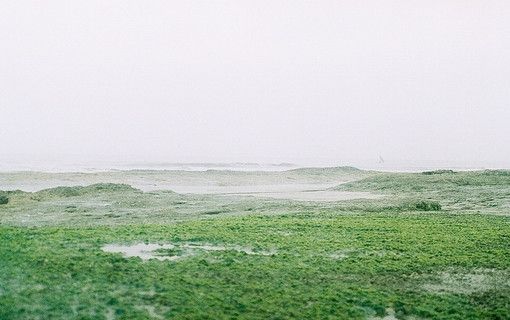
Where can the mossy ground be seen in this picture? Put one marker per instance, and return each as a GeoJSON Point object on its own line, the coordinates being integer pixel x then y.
{"type": "Point", "coordinates": [344, 260]}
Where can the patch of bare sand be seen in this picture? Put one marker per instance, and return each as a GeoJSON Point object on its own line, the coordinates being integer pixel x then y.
{"type": "Point", "coordinates": [294, 191]}
{"type": "Point", "coordinates": [152, 311]}
{"type": "Point", "coordinates": [390, 315]}
{"type": "Point", "coordinates": [342, 254]}
{"type": "Point", "coordinates": [314, 195]}
{"type": "Point", "coordinates": [479, 280]}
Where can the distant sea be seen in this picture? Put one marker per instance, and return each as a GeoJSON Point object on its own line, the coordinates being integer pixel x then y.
{"type": "Point", "coordinates": [98, 166]}
{"type": "Point", "coordinates": [9, 164]}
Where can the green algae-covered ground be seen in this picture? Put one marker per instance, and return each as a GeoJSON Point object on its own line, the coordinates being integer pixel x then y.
{"type": "Point", "coordinates": [434, 246]}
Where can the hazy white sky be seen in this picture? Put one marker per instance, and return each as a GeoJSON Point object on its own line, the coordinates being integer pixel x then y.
{"type": "Point", "coordinates": [257, 80]}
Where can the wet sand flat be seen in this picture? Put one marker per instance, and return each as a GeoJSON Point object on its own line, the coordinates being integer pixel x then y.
{"type": "Point", "coordinates": [297, 192]}
{"type": "Point", "coordinates": [320, 195]}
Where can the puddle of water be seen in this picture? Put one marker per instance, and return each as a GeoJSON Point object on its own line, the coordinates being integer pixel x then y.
{"type": "Point", "coordinates": [175, 252]}
{"type": "Point", "coordinates": [247, 250]}
{"type": "Point", "coordinates": [142, 251]}
{"type": "Point", "coordinates": [205, 247]}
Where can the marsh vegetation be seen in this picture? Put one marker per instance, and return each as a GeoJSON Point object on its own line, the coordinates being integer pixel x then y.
{"type": "Point", "coordinates": [429, 246]}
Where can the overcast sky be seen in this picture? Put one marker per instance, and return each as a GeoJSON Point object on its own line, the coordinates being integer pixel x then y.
{"type": "Point", "coordinates": [295, 81]}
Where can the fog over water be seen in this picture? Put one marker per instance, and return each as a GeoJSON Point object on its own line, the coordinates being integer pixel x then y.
{"type": "Point", "coordinates": [392, 85]}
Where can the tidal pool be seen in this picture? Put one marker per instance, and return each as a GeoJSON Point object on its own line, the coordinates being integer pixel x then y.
{"type": "Point", "coordinates": [173, 252]}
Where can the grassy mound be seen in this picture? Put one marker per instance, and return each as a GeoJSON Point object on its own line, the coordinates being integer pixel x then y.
{"type": "Point", "coordinates": [434, 180]}
{"type": "Point", "coordinates": [80, 190]}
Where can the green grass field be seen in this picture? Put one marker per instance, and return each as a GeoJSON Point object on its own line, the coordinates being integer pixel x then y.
{"type": "Point", "coordinates": [435, 246]}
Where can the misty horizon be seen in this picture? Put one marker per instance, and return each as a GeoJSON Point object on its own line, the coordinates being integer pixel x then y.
{"type": "Point", "coordinates": [317, 83]}
{"type": "Point", "coordinates": [81, 164]}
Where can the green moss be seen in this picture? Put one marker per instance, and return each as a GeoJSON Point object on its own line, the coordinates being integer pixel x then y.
{"type": "Point", "coordinates": [4, 199]}
{"type": "Point", "coordinates": [427, 206]}
{"type": "Point", "coordinates": [332, 260]}
{"type": "Point", "coordinates": [170, 252]}
{"type": "Point", "coordinates": [388, 261]}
